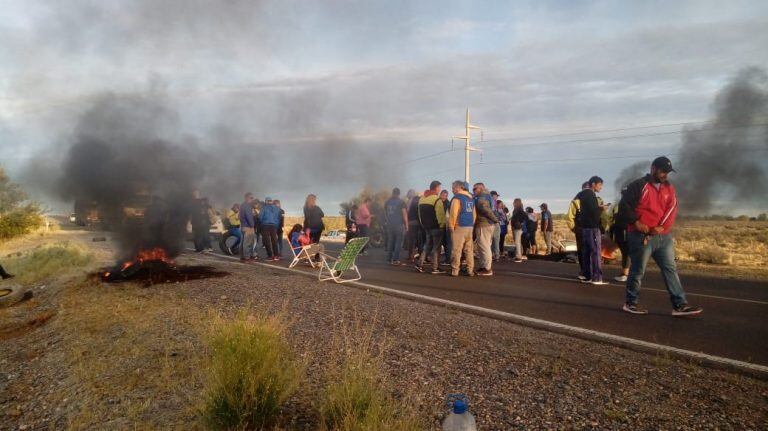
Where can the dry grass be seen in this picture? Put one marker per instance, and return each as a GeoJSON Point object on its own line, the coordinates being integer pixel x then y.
{"type": "Point", "coordinates": [47, 261]}
{"type": "Point", "coordinates": [136, 361]}
{"type": "Point", "coordinates": [358, 396]}
{"type": "Point", "coordinates": [252, 372]}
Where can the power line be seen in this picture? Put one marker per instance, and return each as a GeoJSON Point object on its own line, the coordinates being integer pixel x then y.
{"type": "Point", "coordinates": [601, 139]}
{"type": "Point", "coordinates": [589, 132]}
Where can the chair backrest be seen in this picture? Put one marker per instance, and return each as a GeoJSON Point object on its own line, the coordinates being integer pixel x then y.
{"type": "Point", "coordinates": [349, 253]}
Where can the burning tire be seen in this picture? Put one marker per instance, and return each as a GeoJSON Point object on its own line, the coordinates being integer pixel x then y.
{"type": "Point", "coordinates": [227, 244]}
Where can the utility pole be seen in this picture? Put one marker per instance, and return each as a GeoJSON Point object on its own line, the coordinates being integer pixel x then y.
{"type": "Point", "coordinates": [467, 148]}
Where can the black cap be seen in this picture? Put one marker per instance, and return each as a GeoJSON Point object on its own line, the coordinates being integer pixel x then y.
{"type": "Point", "coordinates": [494, 193]}
{"type": "Point", "coordinates": [663, 164]}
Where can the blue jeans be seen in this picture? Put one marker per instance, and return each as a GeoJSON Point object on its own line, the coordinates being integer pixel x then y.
{"type": "Point", "coordinates": [591, 243]}
{"type": "Point", "coordinates": [237, 233]}
{"type": "Point", "coordinates": [662, 249]}
{"type": "Point", "coordinates": [395, 236]}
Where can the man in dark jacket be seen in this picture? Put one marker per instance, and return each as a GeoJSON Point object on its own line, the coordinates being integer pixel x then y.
{"type": "Point", "coordinates": [648, 206]}
{"type": "Point", "coordinates": [248, 227]}
{"type": "Point", "coordinates": [589, 217]}
{"type": "Point", "coordinates": [270, 220]}
{"type": "Point", "coordinates": [396, 222]}
{"type": "Point", "coordinates": [484, 224]}
{"type": "Point", "coordinates": [432, 219]}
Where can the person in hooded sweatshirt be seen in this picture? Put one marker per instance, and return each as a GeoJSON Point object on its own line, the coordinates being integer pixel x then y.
{"type": "Point", "coordinates": [270, 221]}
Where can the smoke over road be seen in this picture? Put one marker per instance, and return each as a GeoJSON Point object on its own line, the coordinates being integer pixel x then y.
{"type": "Point", "coordinates": [728, 161]}
{"type": "Point", "coordinates": [128, 147]}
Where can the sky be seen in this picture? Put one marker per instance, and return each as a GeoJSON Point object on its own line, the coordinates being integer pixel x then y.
{"type": "Point", "coordinates": [536, 76]}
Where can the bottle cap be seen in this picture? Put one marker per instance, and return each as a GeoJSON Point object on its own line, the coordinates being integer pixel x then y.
{"type": "Point", "coordinates": [459, 406]}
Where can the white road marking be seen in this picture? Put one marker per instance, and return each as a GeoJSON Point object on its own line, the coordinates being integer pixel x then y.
{"type": "Point", "coordinates": [555, 277]}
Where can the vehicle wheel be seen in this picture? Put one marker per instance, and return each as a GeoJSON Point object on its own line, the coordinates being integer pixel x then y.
{"type": "Point", "coordinates": [226, 244]}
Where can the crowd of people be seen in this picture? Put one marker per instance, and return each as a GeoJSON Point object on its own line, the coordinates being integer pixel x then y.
{"type": "Point", "coordinates": [465, 230]}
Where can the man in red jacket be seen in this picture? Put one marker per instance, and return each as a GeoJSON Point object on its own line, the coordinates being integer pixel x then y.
{"type": "Point", "coordinates": [649, 207]}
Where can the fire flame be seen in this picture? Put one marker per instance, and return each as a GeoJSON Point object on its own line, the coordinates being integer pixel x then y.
{"type": "Point", "coordinates": [156, 253]}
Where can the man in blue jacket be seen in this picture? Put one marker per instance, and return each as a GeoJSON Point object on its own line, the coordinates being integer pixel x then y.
{"type": "Point", "coordinates": [247, 226]}
{"type": "Point", "coordinates": [270, 220]}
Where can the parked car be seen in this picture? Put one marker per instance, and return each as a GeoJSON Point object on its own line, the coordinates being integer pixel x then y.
{"type": "Point", "coordinates": [334, 236]}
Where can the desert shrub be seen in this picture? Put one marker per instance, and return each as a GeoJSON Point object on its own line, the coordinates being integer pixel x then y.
{"type": "Point", "coordinates": [711, 254]}
{"type": "Point", "coordinates": [252, 372]}
{"type": "Point", "coordinates": [50, 261]}
{"type": "Point", "coordinates": [359, 398]}
{"type": "Point", "coordinates": [20, 221]}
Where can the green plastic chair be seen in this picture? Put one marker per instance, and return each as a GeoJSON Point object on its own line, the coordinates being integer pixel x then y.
{"type": "Point", "coordinates": [334, 268]}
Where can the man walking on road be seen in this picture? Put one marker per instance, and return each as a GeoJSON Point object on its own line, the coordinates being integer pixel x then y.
{"type": "Point", "coordinates": [461, 222]}
{"type": "Point", "coordinates": [649, 207]}
{"type": "Point", "coordinates": [396, 219]}
{"type": "Point", "coordinates": [591, 210]}
{"type": "Point", "coordinates": [247, 225]}
{"type": "Point", "coordinates": [546, 227]}
{"type": "Point", "coordinates": [432, 218]}
{"type": "Point", "coordinates": [485, 222]}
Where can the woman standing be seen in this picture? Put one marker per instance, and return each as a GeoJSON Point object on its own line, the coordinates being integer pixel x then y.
{"type": "Point", "coordinates": [313, 218]}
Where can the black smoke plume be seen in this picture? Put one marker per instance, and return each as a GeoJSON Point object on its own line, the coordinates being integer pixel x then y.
{"type": "Point", "coordinates": [121, 160]}
{"type": "Point", "coordinates": [726, 159]}
{"type": "Point", "coordinates": [128, 150]}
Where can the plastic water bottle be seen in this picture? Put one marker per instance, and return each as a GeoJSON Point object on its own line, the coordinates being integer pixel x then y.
{"type": "Point", "coordinates": [459, 419]}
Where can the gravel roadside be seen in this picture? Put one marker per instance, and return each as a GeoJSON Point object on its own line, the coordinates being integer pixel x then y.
{"type": "Point", "coordinates": [515, 377]}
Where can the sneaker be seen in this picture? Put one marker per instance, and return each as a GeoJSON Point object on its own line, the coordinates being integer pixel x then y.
{"type": "Point", "coordinates": [600, 283]}
{"type": "Point", "coordinates": [518, 260]}
{"type": "Point", "coordinates": [454, 274]}
{"type": "Point", "coordinates": [586, 280]}
{"type": "Point", "coordinates": [686, 310]}
{"type": "Point", "coordinates": [395, 263]}
{"type": "Point", "coordinates": [634, 309]}
{"type": "Point", "coordinates": [621, 278]}
{"type": "Point", "coordinates": [484, 272]}
{"type": "Point", "coordinates": [419, 269]}
{"type": "Point", "coordinates": [581, 277]}
{"type": "Point", "coordinates": [438, 271]}
{"type": "Point", "coordinates": [445, 263]}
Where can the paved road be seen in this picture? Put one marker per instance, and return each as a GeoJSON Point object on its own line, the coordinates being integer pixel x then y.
{"type": "Point", "coordinates": [734, 323]}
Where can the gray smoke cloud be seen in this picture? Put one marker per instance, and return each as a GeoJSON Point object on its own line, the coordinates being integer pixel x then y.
{"type": "Point", "coordinates": [726, 158]}
{"type": "Point", "coordinates": [629, 174]}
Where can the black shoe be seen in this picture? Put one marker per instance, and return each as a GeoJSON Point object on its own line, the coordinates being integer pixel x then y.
{"type": "Point", "coordinates": [686, 310]}
{"type": "Point", "coordinates": [634, 309]}
{"type": "Point", "coordinates": [419, 269]}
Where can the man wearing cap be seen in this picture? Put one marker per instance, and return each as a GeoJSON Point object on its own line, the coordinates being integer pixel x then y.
{"type": "Point", "coordinates": [484, 225]}
{"type": "Point", "coordinates": [546, 226]}
{"type": "Point", "coordinates": [649, 206]}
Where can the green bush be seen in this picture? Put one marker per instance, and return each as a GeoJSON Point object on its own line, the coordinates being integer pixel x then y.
{"type": "Point", "coordinates": [20, 221]}
{"type": "Point", "coordinates": [358, 398]}
{"type": "Point", "coordinates": [47, 262]}
{"type": "Point", "coordinates": [252, 373]}
{"type": "Point", "coordinates": [712, 254]}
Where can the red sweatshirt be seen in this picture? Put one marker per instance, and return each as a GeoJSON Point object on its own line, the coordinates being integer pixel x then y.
{"type": "Point", "coordinates": [653, 206]}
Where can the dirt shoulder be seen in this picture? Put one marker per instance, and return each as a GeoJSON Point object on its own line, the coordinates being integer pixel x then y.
{"type": "Point", "coordinates": [127, 357]}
